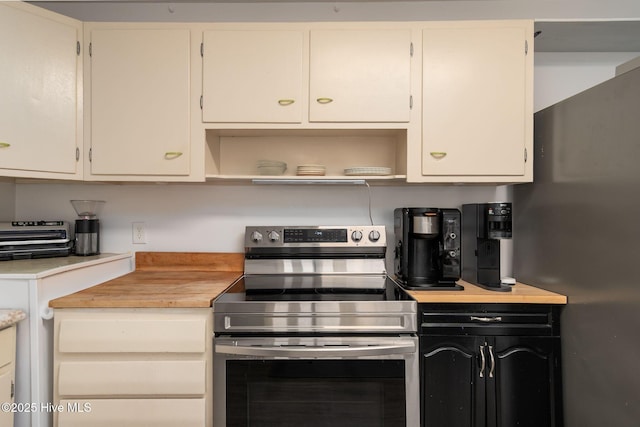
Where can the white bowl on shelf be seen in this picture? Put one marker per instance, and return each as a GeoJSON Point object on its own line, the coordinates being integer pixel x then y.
{"type": "Point", "coordinates": [271, 167]}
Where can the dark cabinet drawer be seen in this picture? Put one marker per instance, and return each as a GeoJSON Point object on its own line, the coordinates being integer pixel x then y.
{"type": "Point", "coordinates": [488, 319]}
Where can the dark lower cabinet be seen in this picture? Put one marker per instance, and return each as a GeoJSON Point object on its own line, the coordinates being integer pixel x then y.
{"type": "Point", "coordinates": [475, 373]}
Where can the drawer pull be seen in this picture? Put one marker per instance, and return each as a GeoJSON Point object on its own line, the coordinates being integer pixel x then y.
{"type": "Point", "coordinates": [438, 154]}
{"type": "Point", "coordinates": [285, 102]}
{"type": "Point", "coordinates": [4, 145]}
{"type": "Point", "coordinates": [170, 155]}
{"type": "Point", "coordinates": [324, 100]}
{"type": "Point", "coordinates": [486, 319]}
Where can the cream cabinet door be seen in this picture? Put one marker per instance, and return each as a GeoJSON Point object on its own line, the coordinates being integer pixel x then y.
{"type": "Point", "coordinates": [6, 395]}
{"type": "Point", "coordinates": [140, 109]}
{"type": "Point", "coordinates": [475, 102]}
{"type": "Point", "coordinates": [132, 413]}
{"type": "Point", "coordinates": [38, 93]}
{"type": "Point", "coordinates": [253, 76]}
{"type": "Point", "coordinates": [360, 75]}
{"type": "Point", "coordinates": [7, 372]}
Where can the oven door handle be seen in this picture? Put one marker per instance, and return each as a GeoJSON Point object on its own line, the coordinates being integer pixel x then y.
{"type": "Point", "coordinates": [317, 351]}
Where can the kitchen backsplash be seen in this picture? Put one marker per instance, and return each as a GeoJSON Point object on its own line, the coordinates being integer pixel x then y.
{"type": "Point", "coordinates": [211, 218]}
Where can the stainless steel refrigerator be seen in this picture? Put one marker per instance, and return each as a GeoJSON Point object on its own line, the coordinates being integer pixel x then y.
{"type": "Point", "coordinates": [577, 232]}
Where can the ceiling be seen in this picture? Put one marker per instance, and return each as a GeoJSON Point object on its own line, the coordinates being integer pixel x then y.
{"type": "Point", "coordinates": [554, 35]}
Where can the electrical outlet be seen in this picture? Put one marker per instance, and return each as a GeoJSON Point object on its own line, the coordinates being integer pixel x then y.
{"type": "Point", "coordinates": [139, 234]}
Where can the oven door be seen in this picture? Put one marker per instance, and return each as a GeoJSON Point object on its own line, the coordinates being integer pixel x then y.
{"type": "Point", "coordinates": [316, 381]}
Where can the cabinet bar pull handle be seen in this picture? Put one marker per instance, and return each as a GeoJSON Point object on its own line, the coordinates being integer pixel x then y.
{"type": "Point", "coordinates": [493, 362]}
{"type": "Point", "coordinates": [4, 145]}
{"type": "Point", "coordinates": [170, 155]}
{"type": "Point", "coordinates": [486, 319]}
{"type": "Point", "coordinates": [438, 154]}
{"type": "Point", "coordinates": [324, 100]}
{"type": "Point", "coordinates": [286, 101]}
{"type": "Point", "coordinates": [483, 360]}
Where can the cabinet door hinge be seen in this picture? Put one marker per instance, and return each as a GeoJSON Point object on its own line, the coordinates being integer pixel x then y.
{"type": "Point", "coordinates": [90, 49]}
{"type": "Point", "coordinates": [77, 154]}
{"type": "Point", "coordinates": [13, 389]}
{"type": "Point", "coordinates": [411, 49]}
{"type": "Point", "coordinates": [90, 154]}
{"type": "Point", "coordinates": [201, 102]}
{"type": "Point", "coordinates": [526, 47]}
{"type": "Point", "coordinates": [410, 102]}
{"type": "Point", "coordinates": [202, 50]}
{"type": "Point", "coordinates": [526, 155]}
{"type": "Point", "coordinates": [78, 48]}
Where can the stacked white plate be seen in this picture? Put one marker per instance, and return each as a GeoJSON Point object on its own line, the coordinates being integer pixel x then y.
{"type": "Point", "coordinates": [271, 167]}
{"type": "Point", "coordinates": [370, 170]}
{"type": "Point", "coordinates": [311, 170]}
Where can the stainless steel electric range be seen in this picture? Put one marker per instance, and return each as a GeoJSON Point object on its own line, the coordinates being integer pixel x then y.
{"type": "Point", "coordinates": [315, 333]}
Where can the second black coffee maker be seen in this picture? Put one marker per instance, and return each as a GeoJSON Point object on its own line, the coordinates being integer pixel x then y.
{"type": "Point", "coordinates": [427, 251]}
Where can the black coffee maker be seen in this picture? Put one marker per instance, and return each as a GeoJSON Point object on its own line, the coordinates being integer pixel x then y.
{"type": "Point", "coordinates": [485, 229]}
{"type": "Point", "coordinates": [427, 251]}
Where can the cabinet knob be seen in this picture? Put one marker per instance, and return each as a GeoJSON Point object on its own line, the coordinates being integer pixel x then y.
{"type": "Point", "coordinates": [285, 102]}
{"type": "Point", "coordinates": [170, 155]}
{"type": "Point", "coordinates": [324, 100]}
{"type": "Point", "coordinates": [438, 154]}
{"type": "Point", "coordinates": [4, 145]}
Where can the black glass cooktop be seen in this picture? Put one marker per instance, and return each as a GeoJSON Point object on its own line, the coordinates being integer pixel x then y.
{"type": "Point", "coordinates": [300, 287]}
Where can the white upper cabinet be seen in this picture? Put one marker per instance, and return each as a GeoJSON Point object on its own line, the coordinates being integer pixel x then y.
{"type": "Point", "coordinates": [477, 103]}
{"type": "Point", "coordinates": [306, 74]}
{"type": "Point", "coordinates": [140, 103]}
{"type": "Point", "coordinates": [40, 128]}
{"type": "Point", "coordinates": [253, 76]}
{"type": "Point", "coordinates": [360, 75]}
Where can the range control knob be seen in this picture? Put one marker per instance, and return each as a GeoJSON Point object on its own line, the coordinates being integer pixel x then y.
{"type": "Point", "coordinates": [274, 236]}
{"type": "Point", "coordinates": [256, 237]}
{"type": "Point", "coordinates": [356, 236]}
{"type": "Point", "coordinates": [374, 236]}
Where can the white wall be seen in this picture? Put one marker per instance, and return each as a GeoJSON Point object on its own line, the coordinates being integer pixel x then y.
{"type": "Point", "coordinates": [559, 75]}
{"type": "Point", "coordinates": [212, 217]}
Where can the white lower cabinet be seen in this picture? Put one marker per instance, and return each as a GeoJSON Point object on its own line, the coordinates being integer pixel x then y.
{"type": "Point", "coordinates": [7, 372]}
{"type": "Point", "coordinates": [133, 367]}
{"type": "Point", "coordinates": [133, 412]}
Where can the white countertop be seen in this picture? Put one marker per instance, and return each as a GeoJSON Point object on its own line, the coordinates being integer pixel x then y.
{"type": "Point", "coordinates": [10, 317]}
{"type": "Point", "coordinates": [43, 267]}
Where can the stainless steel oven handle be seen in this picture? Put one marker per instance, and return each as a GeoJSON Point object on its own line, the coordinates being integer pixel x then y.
{"type": "Point", "coordinates": [323, 351]}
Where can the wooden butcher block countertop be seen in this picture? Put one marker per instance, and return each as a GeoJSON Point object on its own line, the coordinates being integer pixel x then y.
{"type": "Point", "coordinates": [520, 293]}
{"type": "Point", "coordinates": [162, 280]}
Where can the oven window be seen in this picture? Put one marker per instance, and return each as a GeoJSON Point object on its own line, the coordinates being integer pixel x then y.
{"type": "Point", "coordinates": [316, 393]}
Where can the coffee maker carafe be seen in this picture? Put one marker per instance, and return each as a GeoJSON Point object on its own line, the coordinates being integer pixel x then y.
{"type": "Point", "coordinates": [87, 229]}
{"type": "Point", "coordinates": [427, 251]}
{"type": "Point", "coordinates": [486, 234]}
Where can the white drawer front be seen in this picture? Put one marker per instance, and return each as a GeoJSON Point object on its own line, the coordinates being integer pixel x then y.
{"type": "Point", "coordinates": [132, 413]}
{"type": "Point", "coordinates": [139, 335]}
{"type": "Point", "coordinates": [7, 345]}
{"type": "Point", "coordinates": [132, 378]}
